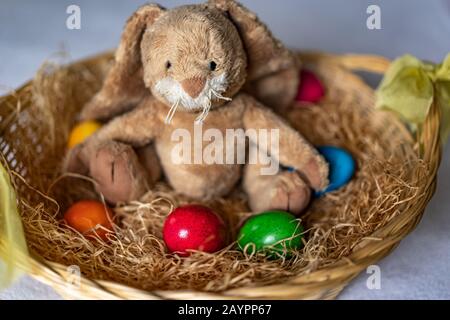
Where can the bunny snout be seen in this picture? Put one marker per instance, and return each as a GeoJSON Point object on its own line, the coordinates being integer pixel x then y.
{"type": "Point", "coordinates": [193, 86]}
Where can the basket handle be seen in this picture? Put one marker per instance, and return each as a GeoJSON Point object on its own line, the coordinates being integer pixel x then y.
{"type": "Point", "coordinates": [354, 62]}
{"type": "Point", "coordinates": [429, 146]}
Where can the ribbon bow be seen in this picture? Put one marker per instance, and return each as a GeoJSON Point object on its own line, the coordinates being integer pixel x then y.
{"type": "Point", "coordinates": [12, 238]}
{"type": "Point", "coordinates": [409, 88]}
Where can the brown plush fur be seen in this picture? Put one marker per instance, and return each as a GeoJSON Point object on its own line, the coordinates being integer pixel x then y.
{"type": "Point", "coordinates": [188, 48]}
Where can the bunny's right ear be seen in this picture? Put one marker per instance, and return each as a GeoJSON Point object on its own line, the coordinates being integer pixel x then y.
{"type": "Point", "coordinates": [273, 70]}
{"type": "Point", "coordinates": [124, 86]}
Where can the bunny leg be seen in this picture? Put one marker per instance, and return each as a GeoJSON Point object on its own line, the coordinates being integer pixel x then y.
{"type": "Point", "coordinates": [284, 191]}
{"type": "Point", "coordinates": [118, 172]}
{"type": "Point", "coordinates": [150, 161]}
{"type": "Point", "coordinates": [73, 162]}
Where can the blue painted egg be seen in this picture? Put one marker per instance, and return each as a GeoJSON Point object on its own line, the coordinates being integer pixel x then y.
{"type": "Point", "coordinates": [342, 167]}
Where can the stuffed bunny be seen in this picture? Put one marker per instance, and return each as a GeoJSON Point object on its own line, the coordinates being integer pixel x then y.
{"type": "Point", "coordinates": [211, 65]}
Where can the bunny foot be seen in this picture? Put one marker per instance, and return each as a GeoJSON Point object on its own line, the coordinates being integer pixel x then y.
{"type": "Point", "coordinates": [285, 191]}
{"type": "Point", "coordinates": [119, 175]}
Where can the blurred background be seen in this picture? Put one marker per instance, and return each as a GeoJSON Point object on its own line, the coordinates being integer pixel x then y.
{"type": "Point", "coordinates": [32, 31]}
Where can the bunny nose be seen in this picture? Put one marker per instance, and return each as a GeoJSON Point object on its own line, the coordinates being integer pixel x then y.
{"type": "Point", "coordinates": [193, 86]}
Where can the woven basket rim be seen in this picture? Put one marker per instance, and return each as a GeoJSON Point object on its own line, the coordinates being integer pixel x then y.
{"type": "Point", "coordinates": [344, 269]}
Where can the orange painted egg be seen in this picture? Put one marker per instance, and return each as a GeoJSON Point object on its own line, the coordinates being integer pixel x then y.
{"type": "Point", "coordinates": [91, 218]}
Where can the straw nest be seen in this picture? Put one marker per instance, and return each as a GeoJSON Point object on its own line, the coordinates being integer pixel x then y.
{"type": "Point", "coordinates": [345, 232]}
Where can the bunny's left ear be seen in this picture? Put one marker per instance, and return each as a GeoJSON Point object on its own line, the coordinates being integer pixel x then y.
{"type": "Point", "coordinates": [273, 71]}
{"type": "Point", "coordinates": [124, 86]}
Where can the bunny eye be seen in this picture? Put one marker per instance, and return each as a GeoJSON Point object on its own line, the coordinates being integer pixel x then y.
{"type": "Point", "coordinates": [168, 65]}
{"type": "Point", "coordinates": [212, 65]}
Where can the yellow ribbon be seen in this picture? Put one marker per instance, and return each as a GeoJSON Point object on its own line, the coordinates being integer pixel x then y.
{"type": "Point", "coordinates": [409, 88]}
{"type": "Point", "coordinates": [12, 239]}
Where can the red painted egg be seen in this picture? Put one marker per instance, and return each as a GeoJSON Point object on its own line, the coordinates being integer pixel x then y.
{"type": "Point", "coordinates": [311, 89]}
{"type": "Point", "coordinates": [194, 227]}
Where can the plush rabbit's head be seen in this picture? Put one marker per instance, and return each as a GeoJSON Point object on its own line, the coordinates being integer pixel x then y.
{"type": "Point", "coordinates": [193, 59]}
{"type": "Point", "coordinates": [197, 57]}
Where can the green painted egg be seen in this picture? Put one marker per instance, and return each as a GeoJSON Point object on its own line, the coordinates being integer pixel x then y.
{"type": "Point", "coordinates": [273, 232]}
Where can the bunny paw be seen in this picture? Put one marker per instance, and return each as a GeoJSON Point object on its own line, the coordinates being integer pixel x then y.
{"type": "Point", "coordinates": [287, 191]}
{"type": "Point", "coordinates": [118, 173]}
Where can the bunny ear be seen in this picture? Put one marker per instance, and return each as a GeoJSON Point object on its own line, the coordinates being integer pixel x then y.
{"type": "Point", "coordinates": [273, 75]}
{"type": "Point", "coordinates": [124, 86]}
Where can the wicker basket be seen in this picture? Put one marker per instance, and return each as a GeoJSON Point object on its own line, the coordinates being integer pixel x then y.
{"type": "Point", "coordinates": [324, 283]}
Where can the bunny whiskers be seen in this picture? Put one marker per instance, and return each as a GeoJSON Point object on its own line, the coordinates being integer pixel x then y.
{"type": "Point", "coordinates": [172, 111]}
{"type": "Point", "coordinates": [207, 107]}
{"type": "Point", "coordinates": [204, 114]}
{"type": "Point", "coordinates": [219, 96]}
{"type": "Point", "coordinates": [174, 93]}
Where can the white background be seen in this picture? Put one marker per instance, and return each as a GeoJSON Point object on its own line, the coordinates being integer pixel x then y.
{"type": "Point", "coordinates": [32, 31]}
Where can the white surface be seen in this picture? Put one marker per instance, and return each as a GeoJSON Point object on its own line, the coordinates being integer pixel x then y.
{"type": "Point", "coordinates": [32, 31]}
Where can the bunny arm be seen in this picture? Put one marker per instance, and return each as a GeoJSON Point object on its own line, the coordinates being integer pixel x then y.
{"type": "Point", "coordinates": [294, 151]}
{"type": "Point", "coordinates": [136, 128]}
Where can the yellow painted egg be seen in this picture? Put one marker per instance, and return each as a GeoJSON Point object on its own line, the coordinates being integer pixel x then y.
{"type": "Point", "coordinates": [82, 131]}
